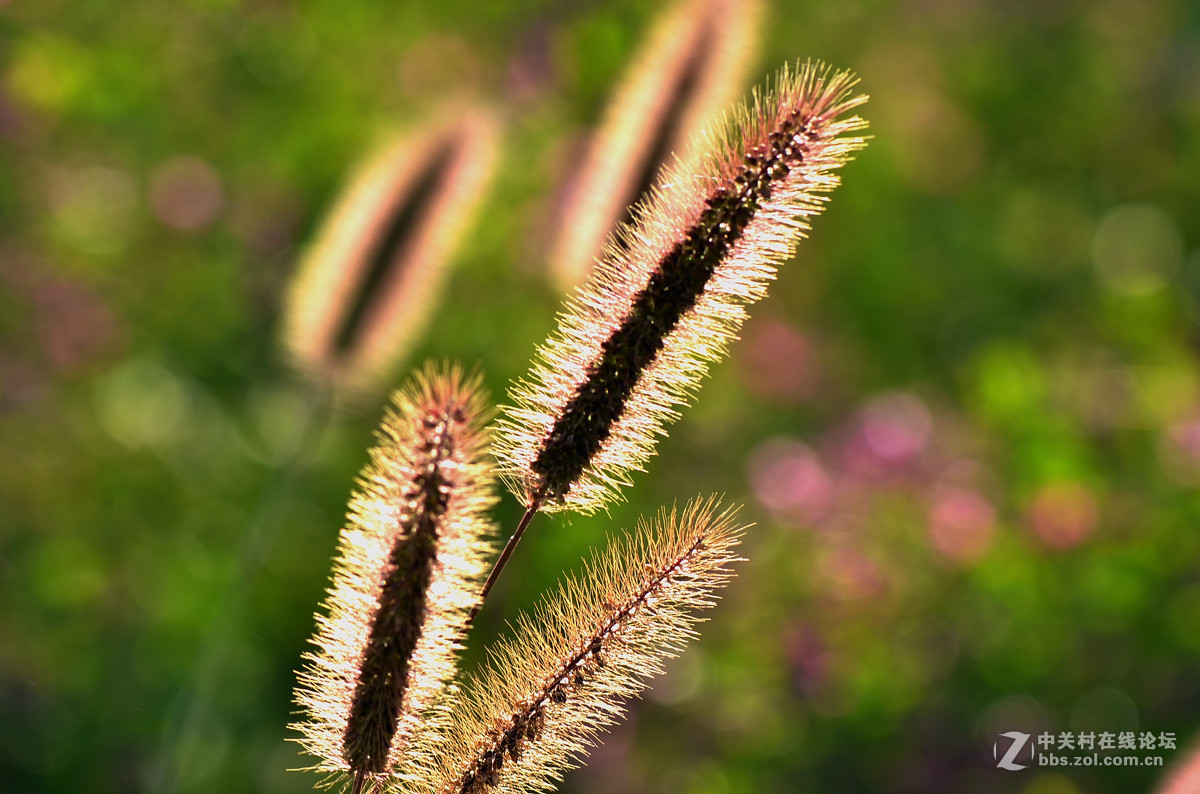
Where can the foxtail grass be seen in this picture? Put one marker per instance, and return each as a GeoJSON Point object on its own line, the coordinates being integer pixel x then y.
{"type": "Point", "coordinates": [635, 341]}
{"type": "Point", "coordinates": [691, 67]}
{"type": "Point", "coordinates": [565, 674]}
{"type": "Point", "coordinates": [382, 706]}
{"type": "Point", "coordinates": [367, 285]}
{"type": "Point", "coordinates": [407, 573]}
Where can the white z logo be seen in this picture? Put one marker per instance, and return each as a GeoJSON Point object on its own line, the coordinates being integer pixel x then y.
{"type": "Point", "coordinates": [1018, 743]}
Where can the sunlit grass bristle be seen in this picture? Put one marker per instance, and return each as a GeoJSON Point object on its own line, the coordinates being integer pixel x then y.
{"type": "Point", "coordinates": [367, 284]}
{"type": "Point", "coordinates": [549, 690]}
{"type": "Point", "coordinates": [691, 67]}
{"type": "Point", "coordinates": [635, 341]}
{"type": "Point", "coordinates": [409, 565]}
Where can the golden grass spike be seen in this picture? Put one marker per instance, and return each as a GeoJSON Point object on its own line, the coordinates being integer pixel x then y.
{"type": "Point", "coordinates": [367, 284]}
{"type": "Point", "coordinates": [635, 341]}
{"type": "Point", "coordinates": [692, 66]}
{"type": "Point", "coordinates": [409, 566]}
{"type": "Point", "coordinates": [549, 690]}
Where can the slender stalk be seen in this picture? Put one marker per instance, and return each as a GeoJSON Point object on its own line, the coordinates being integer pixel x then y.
{"type": "Point", "coordinates": [509, 547]}
{"type": "Point", "coordinates": [362, 782]}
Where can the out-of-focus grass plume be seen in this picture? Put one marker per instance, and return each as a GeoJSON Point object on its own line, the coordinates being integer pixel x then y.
{"type": "Point", "coordinates": [368, 284]}
{"type": "Point", "coordinates": [693, 65]}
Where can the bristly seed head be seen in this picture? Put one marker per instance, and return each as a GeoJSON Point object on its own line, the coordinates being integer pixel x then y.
{"type": "Point", "coordinates": [560, 680]}
{"type": "Point", "coordinates": [367, 283]}
{"type": "Point", "coordinates": [692, 65]}
{"type": "Point", "coordinates": [408, 572]}
{"type": "Point", "coordinates": [637, 339]}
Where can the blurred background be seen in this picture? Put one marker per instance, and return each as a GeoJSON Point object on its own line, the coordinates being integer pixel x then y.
{"type": "Point", "coordinates": [966, 421]}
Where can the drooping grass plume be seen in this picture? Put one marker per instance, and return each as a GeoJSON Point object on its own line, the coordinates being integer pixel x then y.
{"type": "Point", "coordinates": [409, 564]}
{"type": "Point", "coordinates": [635, 341]}
{"type": "Point", "coordinates": [548, 691]}
{"type": "Point", "coordinates": [691, 67]}
{"type": "Point", "coordinates": [367, 284]}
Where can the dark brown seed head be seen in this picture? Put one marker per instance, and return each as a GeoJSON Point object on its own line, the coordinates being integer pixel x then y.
{"type": "Point", "coordinates": [408, 572]}
{"type": "Point", "coordinates": [363, 292]}
{"type": "Point", "coordinates": [636, 340]}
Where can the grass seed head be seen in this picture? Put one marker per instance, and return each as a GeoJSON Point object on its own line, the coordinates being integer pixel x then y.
{"type": "Point", "coordinates": [548, 691]}
{"type": "Point", "coordinates": [409, 566]}
{"type": "Point", "coordinates": [692, 66]}
{"type": "Point", "coordinates": [367, 284]}
{"type": "Point", "coordinates": [634, 342]}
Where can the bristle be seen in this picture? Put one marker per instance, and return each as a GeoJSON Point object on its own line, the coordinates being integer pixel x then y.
{"type": "Point", "coordinates": [366, 286]}
{"type": "Point", "coordinates": [635, 341]}
{"type": "Point", "coordinates": [692, 66]}
{"type": "Point", "coordinates": [548, 691]}
{"type": "Point", "coordinates": [409, 567]}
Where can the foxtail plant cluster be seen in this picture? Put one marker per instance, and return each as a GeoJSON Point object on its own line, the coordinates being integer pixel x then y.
{"type": "Point", "coordinates": [383, 705]}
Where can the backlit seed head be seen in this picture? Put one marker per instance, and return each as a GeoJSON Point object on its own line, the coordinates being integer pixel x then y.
{"type": "Point", "coordinates": [691, 68]}
{"type": "Point", "coordinates": [561, 679]}
{"type": "Point", "coordinates": [368, 282]}
{"type": "Point", "coordinates": [633, 344]}
{"type": "Point", "coordinates": [409, 568]}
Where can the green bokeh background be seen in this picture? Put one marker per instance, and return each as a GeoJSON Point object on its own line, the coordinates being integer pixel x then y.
{"type": "Point", "coordinates": [966, 422]}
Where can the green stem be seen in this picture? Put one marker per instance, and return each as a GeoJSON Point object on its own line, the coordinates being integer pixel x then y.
{"type": "Point", "coordinates": [530, 511]}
